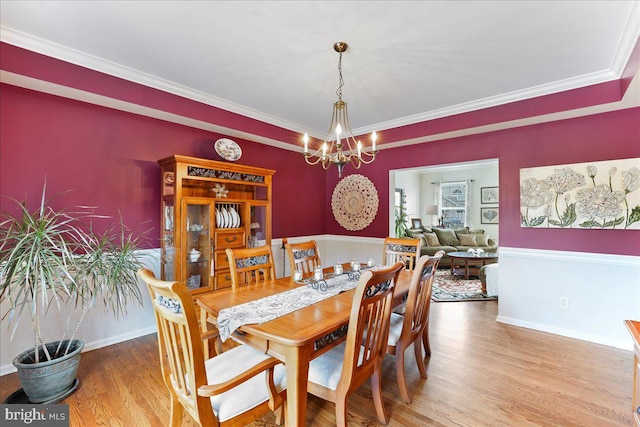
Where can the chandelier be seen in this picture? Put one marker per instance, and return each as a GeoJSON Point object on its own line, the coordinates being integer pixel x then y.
{"type": "Point", "coordinates": [338, 149]}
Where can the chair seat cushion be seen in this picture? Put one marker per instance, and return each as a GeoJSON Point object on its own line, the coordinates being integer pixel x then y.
{"type": "Point", "coordinates": [395, 328]}
{"type": "Point", "coordinates": [326, 369]}
{"type": "Point", "coordinates": [248, 394]}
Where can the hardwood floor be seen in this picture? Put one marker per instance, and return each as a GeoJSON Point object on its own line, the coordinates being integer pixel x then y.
{"type": "Point", "coordinates": [481, 373]}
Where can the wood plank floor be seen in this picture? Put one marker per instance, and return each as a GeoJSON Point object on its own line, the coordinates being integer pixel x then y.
{"type": "Point", "coordinates": [481, 373]}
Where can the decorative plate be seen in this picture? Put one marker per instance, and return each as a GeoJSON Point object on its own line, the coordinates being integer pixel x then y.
{"type": "Point", "coordinates": [228, 149]}
{"type": "Point", "coordinates": [225, 218]}
{"type": "Point", "coordinates": [218, 219]}
{"type": "Point", "coordinates": [355, 202]}
{"type": "Point", "coordinates": [235, 217]}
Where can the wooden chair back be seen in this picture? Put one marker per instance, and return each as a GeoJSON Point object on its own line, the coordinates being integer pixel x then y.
{"type": "Point", "coordinates": [179, 341]}
{"type": "Point", "coordinates": [405, 250]}
{"type": "Point", "coordinates": [415, 321]}
{"type": "Point", "coordinates": [250, 265]}
{"type": "Point", "coordinates": [416, 314]}
{"type": "Point", "coordinates": [184, 368]}
{"type": "Point", "coordinates": [303, 257]}
{"type": "Point", "coordinates": [366, 342]}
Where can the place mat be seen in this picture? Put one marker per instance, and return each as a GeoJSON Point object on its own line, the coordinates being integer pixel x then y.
{"type": "Point", "coordinates": [274, 306]}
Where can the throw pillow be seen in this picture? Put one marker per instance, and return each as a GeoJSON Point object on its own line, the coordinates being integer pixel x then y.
{"type": "Point", "coordinates": [461, 231]}
{"type": "Point", "coordinates": [446, 236]}
{"type": "Point", "coordinates": [476, 231]}
{"type": "Point", "coordinates": [431, 239]}
{"type": "Point", "coordinates": [467, 239]}
{"type": "Point", "coordinates": [482, 239]}
{"type": "Point", "coordinates": [416, 234]}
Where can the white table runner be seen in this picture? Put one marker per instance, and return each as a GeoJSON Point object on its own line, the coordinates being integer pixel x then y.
{"type": "Point", "coordinates": [274, 306]}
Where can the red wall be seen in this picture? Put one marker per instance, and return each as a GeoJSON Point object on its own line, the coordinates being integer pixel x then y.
{"type": "Point", "coordinates": [607, 136]}
{"type": "Point", "coordinates": [109, 159]}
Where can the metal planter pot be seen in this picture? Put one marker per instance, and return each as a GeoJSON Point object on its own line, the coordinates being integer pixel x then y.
{"type": "Point", "coordinates": [48, 380]}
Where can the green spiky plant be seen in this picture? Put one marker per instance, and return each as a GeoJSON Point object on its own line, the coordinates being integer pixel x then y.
{"type": "Point", "coordinates": [401, 221]}
{"type": "Point", "coordinates": [54, 258]}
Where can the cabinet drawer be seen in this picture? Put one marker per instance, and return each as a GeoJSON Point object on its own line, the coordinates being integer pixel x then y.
{"type": "Point", "coordinates": [234, 239]}
{"type": "Point", "coordinates": [222, 262]}
{"type": "Point", "coordinates": [223, 280]}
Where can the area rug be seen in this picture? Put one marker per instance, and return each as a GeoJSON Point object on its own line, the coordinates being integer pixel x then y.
{"type": "Point", "coordinates": [447, 287]}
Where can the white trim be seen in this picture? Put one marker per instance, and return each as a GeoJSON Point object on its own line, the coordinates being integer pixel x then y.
{"type": "Point", "coordinates": [573, 257]}
{"type": "Point", "coordinates": [624, 345]}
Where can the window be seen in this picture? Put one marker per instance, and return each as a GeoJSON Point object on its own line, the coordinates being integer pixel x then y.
{"type": "Point", "coordinates": [453, 204]}
{"type": "Point", "coordinates": [399, 201]}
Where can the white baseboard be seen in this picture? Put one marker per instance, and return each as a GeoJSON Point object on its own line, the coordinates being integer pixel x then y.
{"type": "Point", "coordinates": [9, 369]}
{"type": "Point", "coordinates": [624, 345]}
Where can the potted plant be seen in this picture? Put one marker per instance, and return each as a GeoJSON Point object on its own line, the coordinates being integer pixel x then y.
{"type": "Point", "coordinates": [401, 221]}
{"type": "Point", "coordinates": [51, 263]}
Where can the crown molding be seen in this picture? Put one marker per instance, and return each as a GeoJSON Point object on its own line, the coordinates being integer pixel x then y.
{"type": "Point", "coordinates": [92, 62]}
{"type": "Point", "coordinates": [73, 56]}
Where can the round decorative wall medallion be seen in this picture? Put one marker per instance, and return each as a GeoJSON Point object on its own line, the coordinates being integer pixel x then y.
{"type": "Point", "coordinates": [354, 202]}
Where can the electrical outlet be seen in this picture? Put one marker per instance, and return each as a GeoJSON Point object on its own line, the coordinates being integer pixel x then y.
{"type": "Point", "coordinates": [564, 302]}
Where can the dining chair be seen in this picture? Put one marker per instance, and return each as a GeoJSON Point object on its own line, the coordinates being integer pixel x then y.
{"type": "Point", "coordinates": [230, 389]}
{"type": "Point", "coordinates": [405, 250]}
{"type": "Point", "coordinates": [335, 374]}
{"type": "Point", "coordinates": [303, 256]}
{"type": "Point", "coordinates": [413, 326]}
{"type": "Point", "coordinates": [250, 265]}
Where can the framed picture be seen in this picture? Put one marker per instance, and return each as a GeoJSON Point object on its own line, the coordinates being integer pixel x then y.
{"type": "Point", "coordinates": [489, 195]}
{"type": "Point", "coordinates": [416, 223]}
{"type": "Point", "coordinates": [489, 215]}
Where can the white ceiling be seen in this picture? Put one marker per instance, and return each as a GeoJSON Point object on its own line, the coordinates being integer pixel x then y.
{"type": "Point", "coordinates": [274, 60]}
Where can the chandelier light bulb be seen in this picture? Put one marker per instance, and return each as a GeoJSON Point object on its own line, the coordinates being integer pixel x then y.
{"type": "Point", "coordinates": [305, 138]}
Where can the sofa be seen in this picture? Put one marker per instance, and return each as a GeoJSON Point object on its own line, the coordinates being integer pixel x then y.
{"type": "Point", "coordinates": [451, 240]}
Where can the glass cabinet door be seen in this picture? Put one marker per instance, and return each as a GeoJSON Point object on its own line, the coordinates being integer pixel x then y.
{"type": "Point", "coordinates": [259, 226]}
{"type": "Point", "coordinates": [196, 248]}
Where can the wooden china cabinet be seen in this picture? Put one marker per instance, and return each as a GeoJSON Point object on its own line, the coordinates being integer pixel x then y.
{"type": "Point", "coordinates": [208, 206]}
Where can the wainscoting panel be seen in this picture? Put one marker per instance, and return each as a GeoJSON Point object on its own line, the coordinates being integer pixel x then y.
{"type": "Point", "coordinates": [580, 295]}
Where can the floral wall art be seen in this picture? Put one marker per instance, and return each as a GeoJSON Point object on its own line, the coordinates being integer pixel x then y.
{"type": "Point", "coordinates": [595, 195]}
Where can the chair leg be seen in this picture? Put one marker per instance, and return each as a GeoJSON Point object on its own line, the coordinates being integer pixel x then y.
{"type": "Point", "coordinates": [376, 390]}
{"type": "Point", "coordinates": [341, 411]}
{"type": "Point", "coordinates": [280, 411]}
{"type": "Point", "coordinates": [175, 412]}
{"type": "Point", "coordinates": [425, 340]}
{"type": "Point", "coordinates": [402, 381]}
{"type": "Point", "coordinates": [420, 359]}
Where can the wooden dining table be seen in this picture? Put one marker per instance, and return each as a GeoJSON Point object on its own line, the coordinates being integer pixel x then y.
{"type": "Point", "coordinates": [297, 337]}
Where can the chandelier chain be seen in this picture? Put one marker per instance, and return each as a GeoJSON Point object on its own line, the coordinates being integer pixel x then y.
{"type": "Point", "coordinates": [340, 79]}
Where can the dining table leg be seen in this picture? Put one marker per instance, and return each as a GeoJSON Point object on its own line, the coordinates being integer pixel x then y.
{"type": "Point", "coordinates": [297, 369]}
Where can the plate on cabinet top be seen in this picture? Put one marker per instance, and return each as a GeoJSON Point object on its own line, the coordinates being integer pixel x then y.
{"type": "Point", "coordinates": [228, 149]}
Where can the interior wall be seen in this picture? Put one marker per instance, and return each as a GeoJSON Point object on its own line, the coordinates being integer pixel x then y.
{"type": "Point", "coordinates": [108, 159]}
{"type": "Point", "coordinates": [609, 136]}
